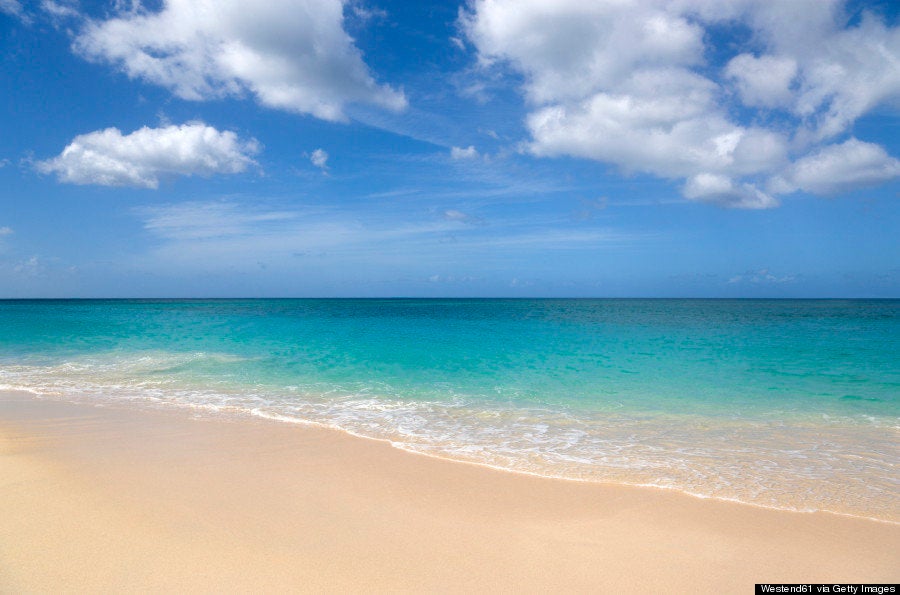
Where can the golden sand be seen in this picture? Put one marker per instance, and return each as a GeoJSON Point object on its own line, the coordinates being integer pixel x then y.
{"type": "Point", "coordinates": [123, 500]}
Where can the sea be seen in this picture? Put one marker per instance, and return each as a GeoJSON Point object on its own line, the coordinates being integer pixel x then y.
{"type": "Point", "coordinates": [788, 404]}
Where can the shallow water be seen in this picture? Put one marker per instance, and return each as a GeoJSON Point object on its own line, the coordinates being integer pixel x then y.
{"type": "Point", "coordinates": [786, 403]}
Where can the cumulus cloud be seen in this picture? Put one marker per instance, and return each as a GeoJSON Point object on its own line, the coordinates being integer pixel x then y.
{"type": "Point", "coordinates": [109, 158]}
{"type": "Point", "coordinates": [319, 158]}
{"type": "Point", "coordinates": [5, 231]}
{"type": "Point", "coordinates": [291, 55]}
{"type": "Point", "coordinates": [724, 191]}
{"type": "Point", "coordinates": [844, 73]}
{"type": "Point", "coordinates": [837, 168]}
{"type": "Point", "coordinates": [764, 81]}
{"type": "Point", "coordinates": [630, 83]}
{"type": "Point", "coordinates": [661, 122]}
{"type": "Point", "coordinates": [460, 153]}
{"type": "Point", "coordinates": [570, 49]}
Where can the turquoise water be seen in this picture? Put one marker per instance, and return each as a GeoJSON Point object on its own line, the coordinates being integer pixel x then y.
{"type": "Point", "coordinates": [792, 404]}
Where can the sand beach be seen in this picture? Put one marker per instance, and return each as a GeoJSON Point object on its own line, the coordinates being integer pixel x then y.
{"type": "Point", "coordinates": [105, 498]}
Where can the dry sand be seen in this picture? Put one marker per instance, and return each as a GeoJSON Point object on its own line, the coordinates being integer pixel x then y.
{"type": "Point", "coordinates": [124, 500]}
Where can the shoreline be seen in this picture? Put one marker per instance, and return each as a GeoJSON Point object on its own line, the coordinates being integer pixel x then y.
{"type": "Point", "coordinates": [238, 413]}
{"type": "Point", "coordinates": [500, 469]}
{"type": "Point", "coordinates": [142, 499]}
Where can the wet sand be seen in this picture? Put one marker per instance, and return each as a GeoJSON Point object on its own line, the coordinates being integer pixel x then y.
{"type": "Point", "coordinates": [127, 499]}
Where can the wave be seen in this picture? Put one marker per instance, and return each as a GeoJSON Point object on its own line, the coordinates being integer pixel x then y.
{"type": "Point", "coordinates": [809, 462]}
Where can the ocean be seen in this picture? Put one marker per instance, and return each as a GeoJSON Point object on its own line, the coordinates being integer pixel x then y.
{"type": "Point", "coordinates": [789, 404]}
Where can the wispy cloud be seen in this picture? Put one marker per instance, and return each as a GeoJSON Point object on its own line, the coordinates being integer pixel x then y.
{"type": "Point", "coordinates": [762, 277]}
{"type": "Point", "coordinates": [219, 235]}
{"type": "Point", "coordinates": [61, 12]}
{"type": "Point", "coordinates": [5, 232]}
{"type": "Point", "coordinates": [590, 207]}
{"type": "Point", "coordinates": [467, 153]}
{"type": "Point", "coordinates": [14, 8]}
{"type": "Point", "coordinates": [211, 220]}
{"type": "Point", "coordinates": [453, 279]}
{"type": "Point", "coordinates": [32, 266]}
{"type": "Point", "coordinates": [455, 215]}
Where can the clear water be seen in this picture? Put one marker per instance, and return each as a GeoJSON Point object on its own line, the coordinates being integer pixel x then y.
{"type": "Point", "coordinates": [792, 404]}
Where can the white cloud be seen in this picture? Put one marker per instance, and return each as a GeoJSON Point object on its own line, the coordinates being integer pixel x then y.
{"type": "Point", "coordinates": [292, 55]}
{"type": "Point", "coordinates": [570, 49]}
{"type": "Point", "coordinates": [192, 221]}
{"type": "Point", "coordinates": [222, 235]}
{"type": "Point", "coordinates": [454, 215]}
{"type": "Point", "coordinates": [838, 168]}
{"type": "Point", "coordinates": [663, 122]}
{"type": "Point", "coordinates": [723, 191]}
{"type": "Point", "coordinates": [629, 83]}
{"type": "Point", "coordinates": [763, 81]}
{"type": "Point", "coordinates": [109, 158]}
{"type": "Point", "coordinates": [452, 279]}
{"type": "Point", "coordinates": [367, 14]}
{"type": "Point", "coordinates": [459, 216]}
{"type": "Point", "coordinates": [60, 11]}
{"type": "Point", "coordinates": [12, 8]}
{"type": "Point", "coordinates": [31, 267]}
{"type": "Point", "coordinates": [761, 277]}
{"type": "Point", "coordinates": [4, 232]}
{"type": "Point", "coordinates": [463, 153]}
{"type": "Point", "coordinates": [845, 74]}
{"type": "Point", "coordinates": [319, 158]}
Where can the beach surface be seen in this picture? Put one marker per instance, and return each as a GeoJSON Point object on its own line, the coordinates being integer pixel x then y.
{"type": "Point", "coordinates": [133, 499]}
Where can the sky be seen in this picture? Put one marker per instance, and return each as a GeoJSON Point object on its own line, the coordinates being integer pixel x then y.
{"type": "Point", "coordinates": [379, 148]}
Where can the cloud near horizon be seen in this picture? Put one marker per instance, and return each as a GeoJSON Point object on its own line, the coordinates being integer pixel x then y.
{"type": "Point", "coordinates": [632, 84]}
{"type": "Point", "coordinates": [291, 55]}
{"type": "Point", "coordinates": [142, 158]}
{"type": "Point", "coordinates": [227, 234]}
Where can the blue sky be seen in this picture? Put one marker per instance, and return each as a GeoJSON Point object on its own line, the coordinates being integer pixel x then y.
{"type": "Point", "coordinates": [484, 148]}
